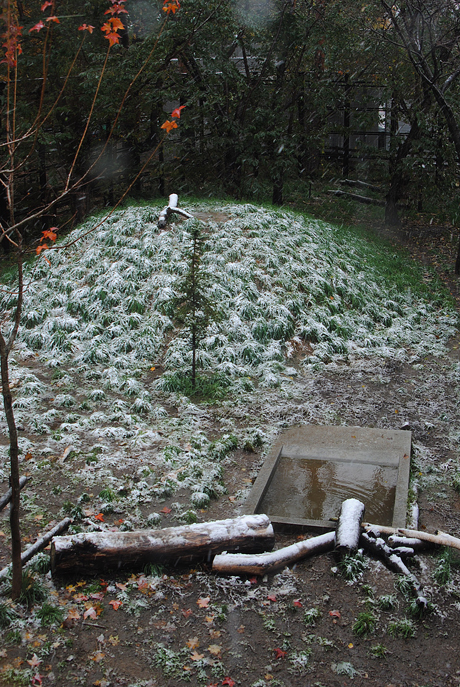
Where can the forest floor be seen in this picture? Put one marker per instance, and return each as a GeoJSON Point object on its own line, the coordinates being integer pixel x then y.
{"type": "Point", "coordinates": [302, 627]}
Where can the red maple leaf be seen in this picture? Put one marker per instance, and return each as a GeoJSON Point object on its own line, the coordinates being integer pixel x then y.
{"type": "Point", "coordinates": [228, 681]}
{"type": "Point", "coordinates": [186, 612]}
{"type": "Point", "coordinates": [99, 516]}
{"type": "Point", "coordinates": [176, 111]}
{"type": "Point", "coordinates": [271, 597]}
{"type": "Point", "coordinates": [165, 510]}
{"type": "Point", "coordinates": [86, 27]}
{"type": "Point", "coordinates": [115, 604]}
{"type": "Point", "coordinates": [168, 126]}
{"type": "Point", "coordinates": [39, 249]}
{"type": "Point", "coordinates": [46, 4]}
{"type": "Point", "coordinates": [334, 614]}
{"type": "Point", "coordinates": [55, 19]}
{"type": "Point", "coordinates": [50, 234]}
{"type": "Point", "coordinates": [297, 603]}
{"type": "Point", "coordinates": [116, 9]}
{"type": "Point", "coordinates": [112, 24]}
{"type": "Point", "coordinates": [279, 653]}
{"type": "Point", "coordinates": [113, 38]}
{"type": "Point", "coordinates": [253, 580]}
{"type": "Point", "coordinates": [38, 27]}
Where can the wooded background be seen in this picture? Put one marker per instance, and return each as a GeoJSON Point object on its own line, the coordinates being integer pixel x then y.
{"type": "Point", "coordinates": [278, 94]}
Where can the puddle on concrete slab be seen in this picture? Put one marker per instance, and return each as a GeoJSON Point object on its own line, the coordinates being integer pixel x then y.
{"type": "Point", "coordinates": [312, 469]}
{"type": "Point", "coordinates": [313, 489]}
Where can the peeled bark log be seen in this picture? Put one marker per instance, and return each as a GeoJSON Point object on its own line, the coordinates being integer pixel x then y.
{"type": "Point", "coordinates": [6, 498]}
{"type": "Point", "coordinates": [349, 526]}
{"type": "Point", "coordinates": [171, 207]}
{"type": "Point", "coordinates": [88, 552]}
{"type": "Point", "coordinates": [378, 548]}
{"type": "Point", "coordinates": [395, 541]}
{"type": "Point", "coordinates": [40, 544]}
{"type": "Point", "coordinates": [264, 563]}
{"type": "Point", "coordinates": [441, 538]}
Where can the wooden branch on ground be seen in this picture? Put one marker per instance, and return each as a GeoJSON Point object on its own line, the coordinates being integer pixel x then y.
{"type": "Point", "coordinates": [359, 199]}
{"type": "Point", "coordinates": [90, 551]}
{"type": "Point", "coordinates": [349, 526]}
{"type": "Point", "coordinates": [440, 538]}
{"type": "Point", "coordinates": [264, 563]}
{"type": "Point", "coordinates": [395, 541]}
{"type": "Point", "coordinates": [6, 498]}
{"type": "Point", "coordinates": [360, 184]}
{"type": "Point", "coordinates": [169, 209]}
{"type": "Point", "coordinates": [40, 544]}
{"type": "Point", "coordinates": [377, 547]}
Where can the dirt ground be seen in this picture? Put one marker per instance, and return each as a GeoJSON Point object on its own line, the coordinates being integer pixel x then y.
{"type": "Point", "coordinates": [300, 627]}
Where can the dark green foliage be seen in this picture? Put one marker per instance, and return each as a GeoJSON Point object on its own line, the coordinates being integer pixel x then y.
{"type": "Point", "coordinates": [50, 615]}
{"type": "Point", "coordinates": [365, 624]}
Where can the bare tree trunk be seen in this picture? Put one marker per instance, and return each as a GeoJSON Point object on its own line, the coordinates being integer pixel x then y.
{"type": "Point", "coordinates": [5, 349]}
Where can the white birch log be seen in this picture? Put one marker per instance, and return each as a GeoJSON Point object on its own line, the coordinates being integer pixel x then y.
{"type": "Point", "coordinates": [264, 563]}
{"type": "Point", "coordinates": [40, 544]}
{"type": "Point", "coordinates": [395, 541]}
{"type": "Point", "coordinates": [440, 538]}
{"type": "Point", "coordinates": [170, 208]}
{"type": "Point", "coordinates": [6, 498]}
{"type": "Point", "coordinates": [349, 526]}
{"type": "Point", "coordinates": [88, 552]}
{"type": "Point", "coordinates": [393, 562]}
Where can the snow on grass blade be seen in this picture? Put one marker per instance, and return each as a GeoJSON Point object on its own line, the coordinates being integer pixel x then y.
{"type": "Point", "coordinates": [293, 293]}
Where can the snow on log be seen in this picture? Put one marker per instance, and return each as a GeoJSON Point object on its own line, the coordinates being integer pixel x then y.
{"type": "Point", "coordinates": [377, 547]}
{"type": "Point", "coordinates": [395, 541]}
{"type": "Point", "coordinates": [6, 498]}
{"type": "Point", "coordinates": [264, 563]}
{"type": "Point", "coordinates": [440, 538]}
{"type": "Point", "coordinates": [170, 208]}
{"type": "Point", "coordinates": [349, 526]}
{"type": "Point", "coordinates": [90, 551]}
{"type": "Point", "coordinates": [40, 544]}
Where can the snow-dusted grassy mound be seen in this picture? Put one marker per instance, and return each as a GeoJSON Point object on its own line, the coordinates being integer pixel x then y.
{"type": "Point", "coordinates": [277, 278]}
{"type": "Point", "coordinates": [294, 294]}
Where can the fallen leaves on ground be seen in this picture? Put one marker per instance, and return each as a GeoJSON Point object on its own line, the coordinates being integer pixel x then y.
{"type": "Point", "coordinates": [203, 602]}
{"type": "Point", "coordinates": [279, 653]}
{"type": "Point", "coordinates": [115, 604]}
{"type": "Point", "coordinates": [193, 643]}
{"type": "Point", "coordinates": [214, 649]}
{"type": "Point", "coordinates": [196, 656]}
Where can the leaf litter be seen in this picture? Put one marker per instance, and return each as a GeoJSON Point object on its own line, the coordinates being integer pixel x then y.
{"type": "Point", "coordinates": [311, 332]}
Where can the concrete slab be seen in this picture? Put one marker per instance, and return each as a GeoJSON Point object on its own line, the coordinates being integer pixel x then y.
{"type": "Point", "coordinates": [311, 469]}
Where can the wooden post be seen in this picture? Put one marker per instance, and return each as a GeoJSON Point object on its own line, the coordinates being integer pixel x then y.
{"type": "Point", "coordinates": [88, 552]}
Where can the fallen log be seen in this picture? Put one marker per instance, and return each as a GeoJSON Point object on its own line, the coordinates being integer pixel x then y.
{"type": "Point", "coordinates": [359, 199]}
{"type": "Point", "coordinates": [440, 538]}
{"type": "Point", "coordinates": [40, 544]}
{"type": "Point", "coordinates": [169, 209]}
{"type": "Point", "coordinates": [90, 551]}
{"type": "Point", "coordinates": [395, 541]}
{"type": "Point", "coordinates": [264, 563]}
{"type": "Point", "coordinates": [360, 184]}
{"type": "Point", "coordinates": [349, 527]}
{"type": "Point", "coordinates": [6, 498]}
{"type": "Point", "coordinates": [377, 547]}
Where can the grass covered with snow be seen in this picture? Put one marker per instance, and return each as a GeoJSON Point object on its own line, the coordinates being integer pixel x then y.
{"type": "Point", "coordinates": [293, 295]}
{"type": "Point", "coordinates": [277, 279]}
